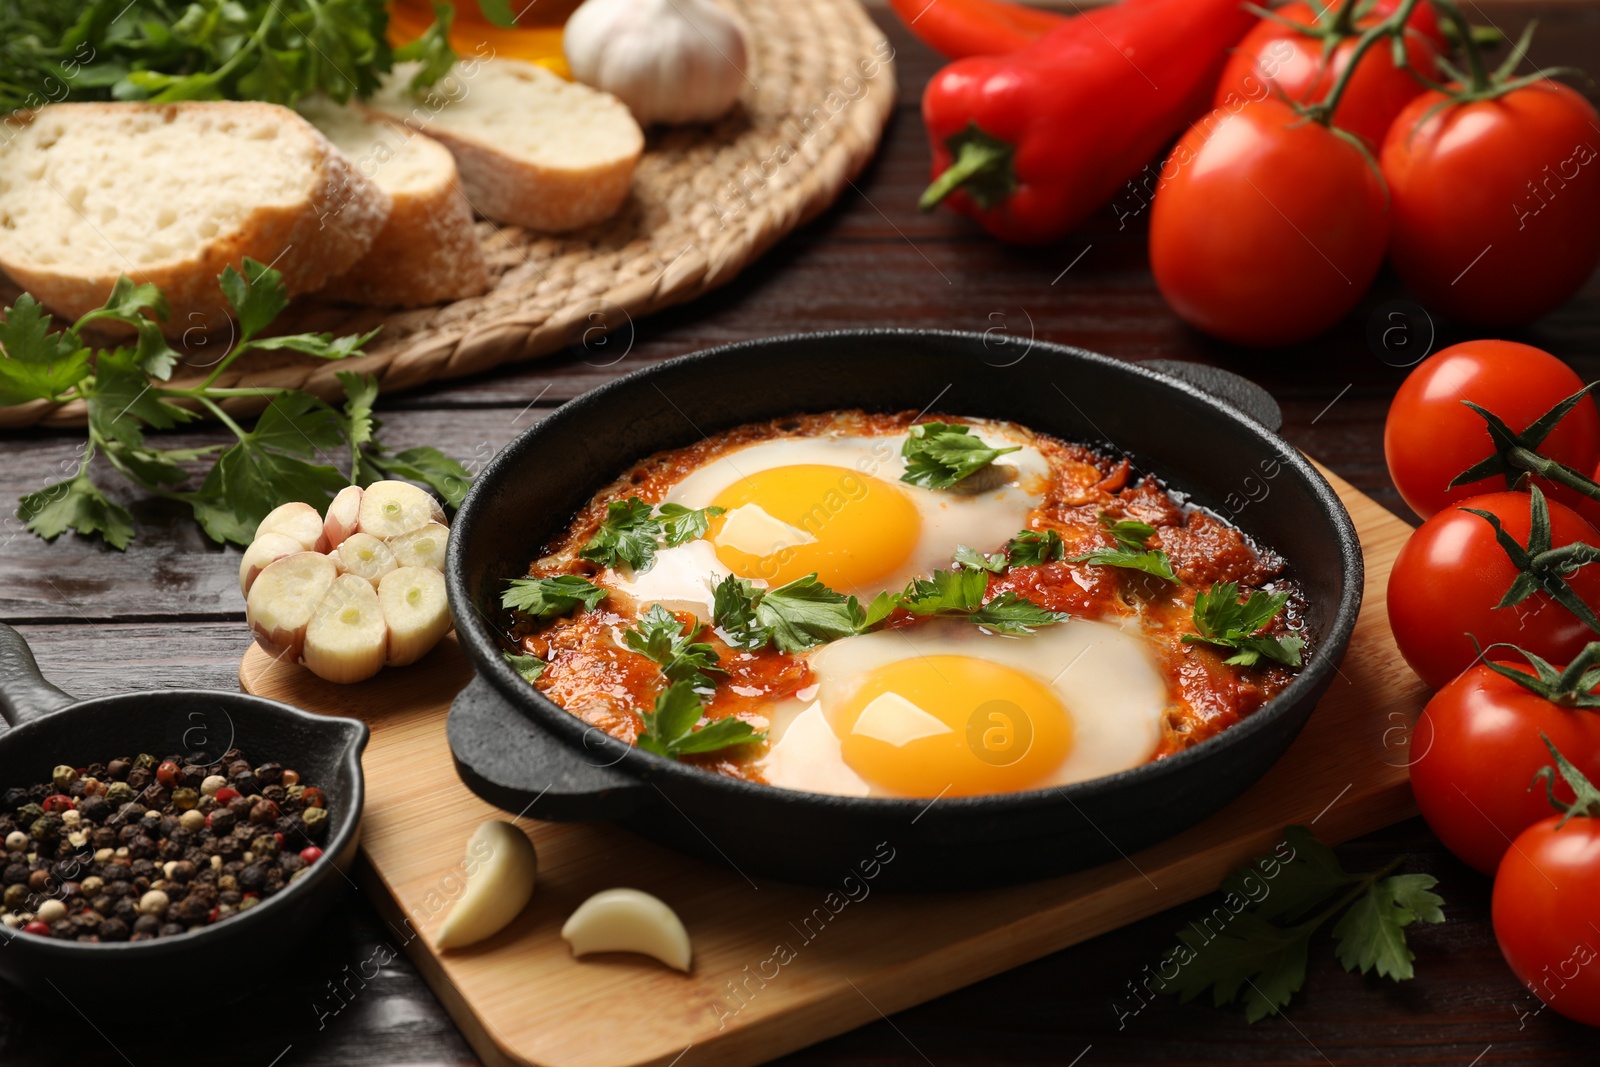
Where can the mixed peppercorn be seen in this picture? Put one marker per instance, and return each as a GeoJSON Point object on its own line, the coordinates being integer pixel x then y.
{"type": "Point", "coordinates": [140, 848]}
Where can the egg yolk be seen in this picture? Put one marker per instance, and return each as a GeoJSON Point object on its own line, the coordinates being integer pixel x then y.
{"type": "Point", "coordinates": [784, 523]}
{"type": "Point", "coordinates": [952, 725]}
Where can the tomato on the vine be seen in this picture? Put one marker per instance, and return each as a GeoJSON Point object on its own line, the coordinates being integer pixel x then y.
{"type": "Point", "coordinates": [1546, 905]}
{"type": "Point", "coordinates": [1477, 747]}
{"type": "Point", "coordinates": [1292, 58]}
{"type": "Point", "coordinates": [1270, 228]}
{"type": "Point", "coordinates": [1430, 436]}
{"type": "Point", "coordinates": [1452, 572]}
{"type": "Point", "coordinates": [1496, 202]}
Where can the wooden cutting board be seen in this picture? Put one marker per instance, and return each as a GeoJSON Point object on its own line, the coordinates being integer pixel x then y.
{"type": "Point", "coordinates": [778, 967]}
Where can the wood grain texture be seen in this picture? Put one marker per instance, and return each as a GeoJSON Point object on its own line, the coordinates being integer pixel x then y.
{"type": "Point", "coordinates": [521, 999]}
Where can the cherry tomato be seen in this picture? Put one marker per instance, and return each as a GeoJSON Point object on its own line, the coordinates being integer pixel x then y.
{"type": "Point", "coordinates": [1546, 910]}
{"type": "Point", "coordinates": [1430, 436]}
{"type": "Point", "coordinates": [1496, 203]}
{"type": "Point", "coordinates": [1276, 59]}
{"type": "Point", "coordinates": [1451, 573]}
{"type": "Point", "coordinates": [1476, 750]}
{"type": "Point", "coordinates": [1269, 229]}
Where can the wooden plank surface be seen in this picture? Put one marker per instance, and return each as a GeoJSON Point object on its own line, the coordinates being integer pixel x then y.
{"type": "Point", "coordinates": [521, 999]}
{"type": "Point", "coordinates": [162, 615]}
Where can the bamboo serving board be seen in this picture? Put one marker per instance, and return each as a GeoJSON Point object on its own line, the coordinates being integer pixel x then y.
{"type": "Point", "coordinates": [778, 967]}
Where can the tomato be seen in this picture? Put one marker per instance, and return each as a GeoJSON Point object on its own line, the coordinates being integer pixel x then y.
{"type": "Point", "coordinates": [1430, 436]}
{"type": "Point", "coordinates": [1451, 573]}
{"type": "Point", "coordinates": [1268, 229]}
{"type": "Point", "coordinates": [1424, 20]}
{"type": "Point", "coordinates": [1275, 59]}
{"type": "Point", "coordinates": [1546, 912]}
{"type": "Point", "coordinates": [1476, 750]}
{"type": "Point", "coordinates": [1496, 203]}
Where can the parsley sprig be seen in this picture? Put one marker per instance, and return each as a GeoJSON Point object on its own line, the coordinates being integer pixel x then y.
{"type": "Point", "coordinates": [661, 637]}
{"type": "Point", "coordinates": [1221, 619]}
{"type": "Point", "coordinates": [546, 598]}
{"type": "Point", "coordinates": [794, 617]}
{"type": "Point", "coordinates": [1277, 903]}
{"type": "Point", "coordinates": [669, 728]}
{"type": "Point", "coordinates": [529, 665]}
{"type": "Point", "coordinates": [960, 594]}
{"type": "Point", "coordinates": [940, 454]}
{"type": "Point", "coordinates": [125, 391]}
{"type": "Point", "coordinates": [632, 531]}
{"type": "Point", "coordinates": [1130, 552]}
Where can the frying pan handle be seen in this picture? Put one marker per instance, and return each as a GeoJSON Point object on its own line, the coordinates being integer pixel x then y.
{"type": "Point", "coordinates": [24, 694]}
{"type": "Point", "coordinates": [1235, 390]}
{"type": "Point", "coordinates": [514, 764]}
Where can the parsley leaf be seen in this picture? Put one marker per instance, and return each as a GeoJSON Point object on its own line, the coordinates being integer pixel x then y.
{"type": "Point", "coordinates": [627, 534]}
{"type": "Point", "coordinates": [793, 617]}
{"type": "Point", "coordinates": [545, 598]}
{"type": "Point", "coordinates": [1247, 952]}
{"type": "Point", "coordinates": [1130, 552]}
{"type": "Point", "coordinates": [1010, 613]}
{"type": "Point", "coordinates": [960, 594]}
{"type": "Point", "coordinates": [972, 559]}
{"type": "Point", "coordinates": [669, 728]}
{"type": "Point", "coordinates": [1030, 548]}
{"type": "Point", "coordinates": [76, 504]}
{"type": "Point", "coordinates": [38, 364]}
{"type": "Point", "coordinates": [1222, 620]}
{"type": "Point", "coordinates": [659, 635]}
{"type": "Point", "coordinates": [529, 666]}
{"type": "Point", "coordinates": [939, 454]}
{"type": "Point", "coordinates": [427, 465]}
{"type": "Point", "coordinates": [680, 525]}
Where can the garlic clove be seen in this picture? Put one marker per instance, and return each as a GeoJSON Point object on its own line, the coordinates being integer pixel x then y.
{"type": "Point", "coordinates": [629, 920]}
{"type": "Point", "coordinates": [501, 866]}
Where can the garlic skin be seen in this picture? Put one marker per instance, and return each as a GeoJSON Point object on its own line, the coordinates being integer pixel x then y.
{"type": "Point", "coordinates": [670, 61]}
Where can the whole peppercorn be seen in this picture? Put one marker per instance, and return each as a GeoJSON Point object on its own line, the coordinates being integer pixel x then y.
{"type": "Point", "coordinates": [39, 881]}
{"type": "Point", "coordinates": [139, 778]}
{"type": "Point", "coordinates": [92, 885]}
{"type": "Point", "coordinates": [265, 845]}
{"type": "Point", "coordinates": [144, 761]}
{"type": "Point", "coordinates": [15, 896]}
{"type": "Point", "coordinates": [240, 806]}
{"type": "Point", "coordinates": [119, 793]}
{"type": "Point", "coordinates": [182, 872]}
{"type": "Point", "coordinates": [27, 813]}
{"type": "Point", "coordinates": [239, 768]}
{"type": "Point", "coordinates": [87, 922]}
{"type": "Point", "coordinates": [185, 798]}
{"type": "Point", "coordinates": [146, 926]}
{"type": "Point", "coordinates": [316, 821]}
{"type": "Point", "coordinates": [289, 862]}
{"type": "Point", "coordinates": [275, 793]}
{"type": "Point", "coordinates": [270, 773]}
{"type": "Point", "coordinates": [95, 809]}
{"type": "Point", "coordinates": [45, 828]}
{"type": "Point", "coordinates": [290, 777]}
{"type": "Point", "coordinates": [264, 811]}
{"type": "Point", "coordinates": [119, 768]}
{"type": "Point", "coordinates": [126, 909]}
{"type": "Point", "coordinates": [167, 773]}
{"type": "Point", "coordinates": [62, 777]}
{"type": "Point", "coordinates": [191, 775]}
{"type": "Point", "coordinates": [221, 821]}
{"type": "Point", "coordinates": [153, 903]}
{"type": "Point", "coordinates": [191, 820]}
{"type": "Point", "coordinates": [15, 874]}
{"type": "Point", "coordinates": [93, 787]}
{"type": "Point", "coordinates": [71, 818]}
{"type": "Point", "coordinates": [37, 927]}
{"type": "Point", "coordinates": [16, 841]}
{"type": "Point", "coordinates": [193, 909]}
{"type": "Point", "coordinates": [113, 929]}
{"type": "Point", "coordinates": [56, 803]}
{"type": "Point", "coordinates": [313, 797]}
{"type": "Point", "coordinates": [104, 837]}
{"type": "Point", "coordinates": [13, 798]}
{"type": "Point", "coordinates": [211, 784]}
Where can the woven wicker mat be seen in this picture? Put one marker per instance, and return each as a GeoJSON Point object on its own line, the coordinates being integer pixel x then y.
{"type": "Point", "coordinates": [706, 202]}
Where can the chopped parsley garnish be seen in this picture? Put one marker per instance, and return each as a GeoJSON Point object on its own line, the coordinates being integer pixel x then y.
{"type": "Point", "coordinates": [545, 598]}
{"type": "Point", "coordinates": [670, 727]}
{"type": "Point", "coordinates": [972, 559]}
{"type": "Point", "coordinates": [959, 594]}
{"type": "Point", "coordinates": [631, 533]}
{"type": "Point", "coordinates": [1260, 954]}
{"type": "Point", "coordinates": [1030, 548]}
{"type": "Point", "coordinates": [660, 636]}
{"type": "Point", "coordinates": [938, 454]}
{"type": "Point", "coordinates": [1224, 621]}
{"type": "Point", "coordinates": [529, 666]}
{"type": "Point", "coordinates": [1131, 553]}
{"type": "Point", "coordinates": [793, 617]}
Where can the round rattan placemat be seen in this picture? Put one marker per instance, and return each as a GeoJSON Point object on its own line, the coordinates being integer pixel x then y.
{"type": "Point", "coordinates": [706, 202]}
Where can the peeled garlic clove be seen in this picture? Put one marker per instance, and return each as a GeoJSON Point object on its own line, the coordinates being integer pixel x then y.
{"type": "Point", "coordinates": [416, 610]}
{"type": "Point", "coordinates": [422, 547]}
{"type": "Point", "coordinates": [501, 865]}
{"type": "Point", "coordinates": [264, 550]}
{"type": "Point", "coordinates": [389, 509]}
{"type": "Point", "coordinates": [295, 519]}
{"type": "Point", "coordinates": [346, 638]}
{"type": "Point", "coordinates": [629, 920]}
{"type": "Point", "coordinates": [343, 518]}
{"type": "Point", "coordinates": [365, 557]}
{"type": "Point", "coordinates": [284, 597]}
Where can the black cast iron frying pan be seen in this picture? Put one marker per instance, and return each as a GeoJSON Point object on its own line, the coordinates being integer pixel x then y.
{"type": "Point", "coordinates": [524, 753]}
{"type": "Point", "coordinates": [47, 727]}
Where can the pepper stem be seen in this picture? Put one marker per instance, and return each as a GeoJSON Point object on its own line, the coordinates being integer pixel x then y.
{"type": "Point", "coordinates": [982, 166]}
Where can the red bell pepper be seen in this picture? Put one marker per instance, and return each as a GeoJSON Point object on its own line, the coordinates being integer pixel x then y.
{"type": "Point", "coordinates": [1031, 142]}
{"type": "Point", "coordinates": [958, 28]}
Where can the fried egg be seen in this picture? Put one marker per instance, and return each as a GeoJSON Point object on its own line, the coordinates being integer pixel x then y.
{"type": "Point", "coordinates": [834, 506]}
{"type": "Point", "coordinates": [946, 709]}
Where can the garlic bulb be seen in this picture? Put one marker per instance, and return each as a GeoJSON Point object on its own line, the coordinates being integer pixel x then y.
{"type": "Point", "coordinates": [668, 60]}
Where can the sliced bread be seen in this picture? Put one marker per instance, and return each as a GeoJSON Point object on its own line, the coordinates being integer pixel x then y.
{"type": "Point", "coordinates": [427, 252]}
{"type": "Point", "coordinates": [170, 194]}
{"type": "Point", "coordinates": [534, 149]}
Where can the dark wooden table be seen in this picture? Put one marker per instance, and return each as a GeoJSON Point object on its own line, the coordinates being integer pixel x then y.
{"type": "Point", "coordinates": [167, 613]}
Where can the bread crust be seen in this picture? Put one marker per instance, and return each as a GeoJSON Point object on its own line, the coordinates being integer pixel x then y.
{"type": "Point", "coordinates": [309, 242]}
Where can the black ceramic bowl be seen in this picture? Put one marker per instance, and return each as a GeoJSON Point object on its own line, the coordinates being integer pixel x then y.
{"type": "Point", "coordinates": [48, 727]}
{"type": "Point", "coordinates": [523, 752]}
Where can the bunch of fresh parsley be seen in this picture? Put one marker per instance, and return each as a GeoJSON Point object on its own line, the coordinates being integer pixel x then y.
{"type": "Point", "coordinates": [168, 50]}
{"type": "Point", "coordinates": [124, 390]}
{"type": "Point", "coordinates": [1255, 949]}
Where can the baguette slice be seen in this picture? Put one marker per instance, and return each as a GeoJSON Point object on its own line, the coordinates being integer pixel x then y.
{"type": "Point", "coordinates": [427, 252]}
{"type": "Point", "coordinates": [170, 194]}
{"type": "Point", "coordinates": [534, 149]}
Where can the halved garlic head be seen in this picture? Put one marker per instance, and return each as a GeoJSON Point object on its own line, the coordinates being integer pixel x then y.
{"type": "Point", "coordinates": [629, 920]}
{"type": "Point", "coordinates": [501, 866]}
